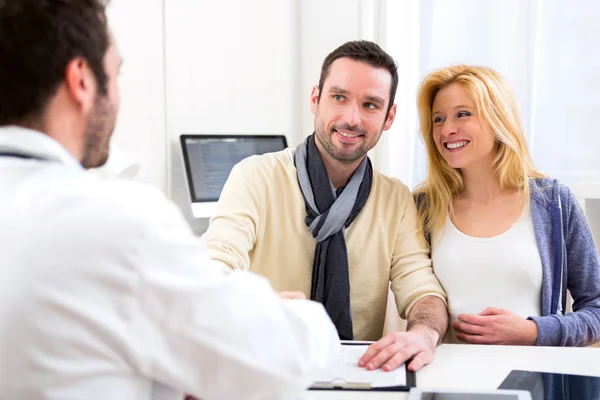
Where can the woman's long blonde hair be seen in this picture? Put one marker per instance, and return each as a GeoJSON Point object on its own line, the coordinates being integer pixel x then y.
{"type": "Point", "coordinates": [498, 113]}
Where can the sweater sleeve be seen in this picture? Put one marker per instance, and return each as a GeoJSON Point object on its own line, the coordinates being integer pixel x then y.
{"type": "Point", "coordinates": [411, 274]}
{"type": "Point", "coordinates": [582, 326]}
{"type": "Point", "coordinates": [233, 229]}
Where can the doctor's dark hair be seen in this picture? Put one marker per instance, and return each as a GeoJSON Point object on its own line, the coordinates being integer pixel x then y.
{"type": "Point", "coordinates": [366, 52]}
{"type": "Point", "coordinates": [38, 39]}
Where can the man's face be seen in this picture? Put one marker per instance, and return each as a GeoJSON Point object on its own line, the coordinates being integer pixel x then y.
{"type": "Point", "coordinates": [101, 122]}
{"type": "Point", "coordinates": [351, 113]}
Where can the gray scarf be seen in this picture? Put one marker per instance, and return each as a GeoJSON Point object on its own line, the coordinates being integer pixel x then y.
{"type": "Point", "coordinates": [328, 214]}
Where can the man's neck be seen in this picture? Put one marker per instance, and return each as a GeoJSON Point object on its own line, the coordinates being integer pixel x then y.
{"type": "Point", "coordinates": [339, 172]}
{"type": "Point", "coordinates": [62, 127]}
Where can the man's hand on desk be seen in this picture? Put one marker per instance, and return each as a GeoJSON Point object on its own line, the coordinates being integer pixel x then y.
{"type": "Point", "coordinates": [396, 348]}
{"type": "Point", "coordinates": [427, 324]}
{"type": "Point", "coordinates": [496, 326]}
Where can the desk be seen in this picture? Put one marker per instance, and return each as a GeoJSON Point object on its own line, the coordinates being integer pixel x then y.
{"type": "Point", "coordinates": [483, 367]}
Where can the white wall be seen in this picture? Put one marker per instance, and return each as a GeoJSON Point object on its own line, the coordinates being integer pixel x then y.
{"type": "Point", "coordinates": [230, 68]}
{"type": "Point", "coordinates": [140, 129]}
{"type": "Point", "coordinates": [324, 25]}
{"type": "Point", "coordinates": [566, 139]}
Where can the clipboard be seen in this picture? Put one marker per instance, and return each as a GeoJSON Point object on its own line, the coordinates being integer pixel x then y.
{"type": "Point", "coordinates": [340, 384]}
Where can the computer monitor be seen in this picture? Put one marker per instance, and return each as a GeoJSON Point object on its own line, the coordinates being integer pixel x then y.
{"type": "Point", "coordinates": [208, 160]}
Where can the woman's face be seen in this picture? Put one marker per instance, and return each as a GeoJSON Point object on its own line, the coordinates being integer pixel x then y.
{"type": "Point", "coordinates": [457, 131]}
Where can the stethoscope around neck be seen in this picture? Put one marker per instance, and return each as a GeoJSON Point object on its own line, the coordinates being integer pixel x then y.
{"type": "Point", "coordinates": [21, 156]}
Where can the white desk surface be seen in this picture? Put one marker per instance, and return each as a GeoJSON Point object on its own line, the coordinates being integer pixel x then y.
{"type": "Point", "coordinates": [459, 366]}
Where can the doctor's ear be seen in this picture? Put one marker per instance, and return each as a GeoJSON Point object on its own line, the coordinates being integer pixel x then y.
{"type": "Point", "coordinates": [81, 83]}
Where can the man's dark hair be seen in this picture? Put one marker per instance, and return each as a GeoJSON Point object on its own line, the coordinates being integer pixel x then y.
{"type": "Point", "coordinates": [363, 51]}
{"type": "Point", "coordinates": [38, 39]}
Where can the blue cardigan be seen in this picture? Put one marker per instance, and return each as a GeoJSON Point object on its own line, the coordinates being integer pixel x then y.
{"type": "Point", "coordinates": [570, 261]}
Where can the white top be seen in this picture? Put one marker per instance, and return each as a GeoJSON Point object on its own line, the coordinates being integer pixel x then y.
{"type": "Point", "coordinates": [503, 271]}
{"type": "Point", "coordinates": [106, 294]}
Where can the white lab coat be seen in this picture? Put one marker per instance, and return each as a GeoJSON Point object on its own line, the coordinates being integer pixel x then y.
{"type": "Point", "coordinates": [106, 294]}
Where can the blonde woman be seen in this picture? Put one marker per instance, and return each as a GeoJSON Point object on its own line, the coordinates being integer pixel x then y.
{"type": "Point", "coordinates": [506, 241]}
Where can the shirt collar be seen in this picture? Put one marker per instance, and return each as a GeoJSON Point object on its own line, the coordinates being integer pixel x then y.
{"type": "Point", "coordinates": [26, 141]}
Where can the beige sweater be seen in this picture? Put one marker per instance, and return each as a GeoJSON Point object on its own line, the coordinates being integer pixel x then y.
{"type": "Point", "coordinates": [259, 226]}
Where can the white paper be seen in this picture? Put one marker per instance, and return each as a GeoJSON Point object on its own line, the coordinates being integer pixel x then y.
{"type": "Point", "coordinates": [346, 369]}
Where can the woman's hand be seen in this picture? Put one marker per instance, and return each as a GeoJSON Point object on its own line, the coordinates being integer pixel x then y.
{"type": "Point", "coordinates": [496, 326]}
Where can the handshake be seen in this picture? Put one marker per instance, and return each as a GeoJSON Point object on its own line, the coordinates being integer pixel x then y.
{"type": "Point", "coordinates": [292, 295]}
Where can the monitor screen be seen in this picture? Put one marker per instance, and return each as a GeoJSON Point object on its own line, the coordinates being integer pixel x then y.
{"type": "Point", "coordinates": [209, 159]}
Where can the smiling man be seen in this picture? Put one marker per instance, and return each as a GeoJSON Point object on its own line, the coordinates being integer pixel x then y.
{"type": "Point", "coordinates": [319, 222]}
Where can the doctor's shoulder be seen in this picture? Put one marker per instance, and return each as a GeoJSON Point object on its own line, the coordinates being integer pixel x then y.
{"type": "Point", "coordinates": [124, 205]}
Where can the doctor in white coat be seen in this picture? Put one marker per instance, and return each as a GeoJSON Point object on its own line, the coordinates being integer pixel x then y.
{"type": "Point", "coordinates": [104, 291]}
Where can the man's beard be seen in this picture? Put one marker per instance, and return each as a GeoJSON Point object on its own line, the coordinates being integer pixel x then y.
{"type": "Point", "coordinates": [326, 140]}
{"type": "Point", "coordinates": [97, 136]}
